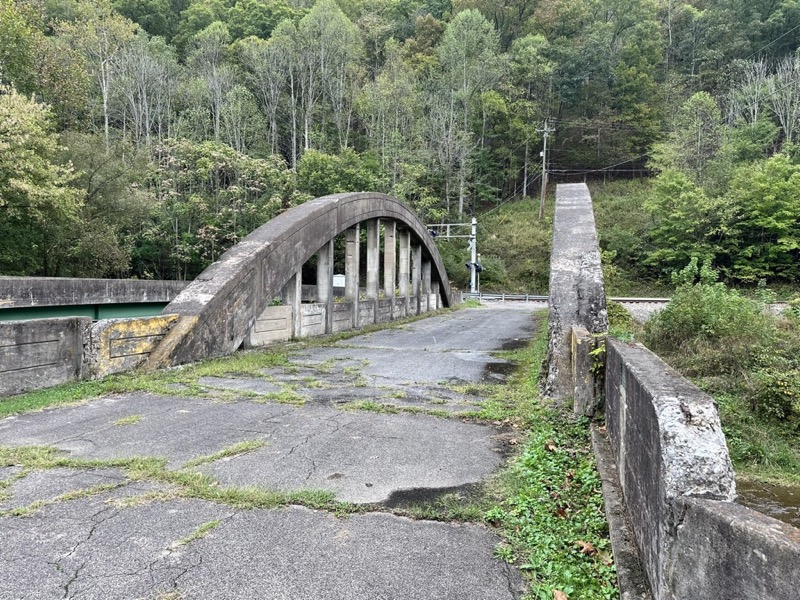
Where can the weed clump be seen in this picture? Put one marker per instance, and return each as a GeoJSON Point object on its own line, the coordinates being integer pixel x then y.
{"type": "Point", "coordinates": [746, 357]}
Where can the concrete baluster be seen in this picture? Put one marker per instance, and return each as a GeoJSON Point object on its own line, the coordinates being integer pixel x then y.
{"type": "Point", "coordinates": [426, 282]}
{"type": "Point", "coordinates": [373, 258]}
{"type": "Point", "coordinates": [389, 260]}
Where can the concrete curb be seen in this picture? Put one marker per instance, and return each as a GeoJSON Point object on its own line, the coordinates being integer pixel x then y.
{"type": "Point", "coordinates": [631, 577]}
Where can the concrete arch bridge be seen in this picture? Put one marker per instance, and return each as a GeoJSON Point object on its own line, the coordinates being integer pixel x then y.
{"type": "Point", "coordinates": [231, 304]}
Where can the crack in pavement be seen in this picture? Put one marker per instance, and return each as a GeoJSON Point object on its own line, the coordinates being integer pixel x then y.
{"type": "Point", "coordinates": [72, 580]}
{"type": "Point", "coordinates": [90, 534]}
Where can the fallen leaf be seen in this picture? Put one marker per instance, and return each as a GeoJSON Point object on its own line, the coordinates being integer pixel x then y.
{"type": "Point", "coordinates": [513, 442]}
{"type": "Point", "coordinates": [586, 548]}
{"type": "Point", "coordinates": [559, 595]}
{"type": "Point", "coordinates": [550, 446]}
{"type": "Point", "coordinates": [602, 429]}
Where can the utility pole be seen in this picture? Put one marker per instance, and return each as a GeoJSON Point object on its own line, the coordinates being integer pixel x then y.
{"type": "Point", "coordinates": [473, 246]}
{"type": "Point", "coordinates": [545, 133]}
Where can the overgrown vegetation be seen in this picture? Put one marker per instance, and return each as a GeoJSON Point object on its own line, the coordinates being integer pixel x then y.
{"type": "Point", "coordinates": [747, 358]}
{"type": "Point", "coordinates": [549, 504]}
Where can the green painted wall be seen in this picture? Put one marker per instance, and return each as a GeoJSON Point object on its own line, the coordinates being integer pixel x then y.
{"type": "Point", "coordinates": [95, 311]}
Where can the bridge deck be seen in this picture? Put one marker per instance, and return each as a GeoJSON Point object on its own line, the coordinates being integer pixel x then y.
{"type": "Point", "coordinates": [146, 539]}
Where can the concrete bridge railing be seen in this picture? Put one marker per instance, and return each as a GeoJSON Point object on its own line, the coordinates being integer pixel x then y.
{"type": "Point", "coordinates": [232, 304]}
{"type": "Point", "coordinates": [672, 466]}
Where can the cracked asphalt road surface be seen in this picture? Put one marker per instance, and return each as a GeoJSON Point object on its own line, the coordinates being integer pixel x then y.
{"type": "Point", "coordinates": [93, 534]}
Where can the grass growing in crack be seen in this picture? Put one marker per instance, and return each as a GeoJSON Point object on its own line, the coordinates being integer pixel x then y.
{"type": "Point", "coordinates": [234, 450]}
{"type": "Point", "coordinates": [312, 383]}
{"type": "Point", "coordinates": [471, 303]}
{"type": "Point", "coordinates": [143, 499]}
{"type": "Point", "coordinates": [130, 420]}
{"type": "Point", "coordinates": [178, 381]}
{"type": "Point", "coordinates": [33, 507]}
{"type": "Point", "coordinates": [6, 484]}
{"type": "Point", "coordinates": [169, 596]}
{"type": "Point", "coordinates": [391, 409]}
{"type": "Point", "coordinates": [454, 507]}
{"type": "Point", "coordinates": [287, 395]}
{"type": "Point", "coordinates": [198, 534]}
{"type": "Point", "coordinates": [548, 505]}
{"type": "Point", "coordinates": [187, 484]}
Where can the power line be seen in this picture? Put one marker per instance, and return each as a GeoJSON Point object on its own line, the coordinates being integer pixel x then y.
{"type": "Point", "coordinates": [788, 84]}
{"type": "Point", "coordinates": [795, 28]}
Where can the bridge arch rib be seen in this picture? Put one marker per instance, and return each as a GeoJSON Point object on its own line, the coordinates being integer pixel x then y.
{"type": "Point", "coordinates": [220, 307]}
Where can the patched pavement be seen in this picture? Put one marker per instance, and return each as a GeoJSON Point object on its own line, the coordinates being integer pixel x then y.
{"type": "Point", "coordinates": [92, 533]}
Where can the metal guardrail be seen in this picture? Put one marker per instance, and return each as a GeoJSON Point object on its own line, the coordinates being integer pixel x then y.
{"type": "Point", "coordinates": [505, 297]}
{"type": "Point", "coordinates": [537, 298]}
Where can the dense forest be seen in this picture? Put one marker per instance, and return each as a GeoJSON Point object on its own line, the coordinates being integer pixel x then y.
{"type": "Point", "coordinates": [144, 137]}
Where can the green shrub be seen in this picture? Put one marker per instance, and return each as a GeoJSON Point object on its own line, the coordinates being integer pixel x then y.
{"type": "Point", "coordinates": [711, 329]}
{"type": "Point", "coordinates": [775, 393]}
{"type": "Point", "coordinates": [793, 309]}
{"type": "Point", "coordinates": [708, 311]}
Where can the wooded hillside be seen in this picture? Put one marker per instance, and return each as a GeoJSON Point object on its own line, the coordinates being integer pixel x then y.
{"type": "Point", "coordinates": [144, 137]}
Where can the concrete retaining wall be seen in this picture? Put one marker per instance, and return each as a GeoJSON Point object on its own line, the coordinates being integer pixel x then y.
{"type": "Point", "coordinates": [41, 353]}
{"type": "Point", "coordinates": [577, 296]}
{"type": "Point", "coordinates": [20, 292]}
{"type": "Point", "coordinates": [678, 486]}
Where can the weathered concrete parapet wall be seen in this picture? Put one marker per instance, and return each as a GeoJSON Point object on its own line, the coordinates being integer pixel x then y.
{"type": "Point", "coordinates": [678, 485]}
{"type": "Point", "coordinates": [41, 353]}
{"type": "Point", "coordinates": [724, 550]}
{"type": "Point", "coordinates": [22, 292]}
{"type": "Point", "coordinates": [577, 295]}
{"type": "Point", "coordinates": [276, 323]}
